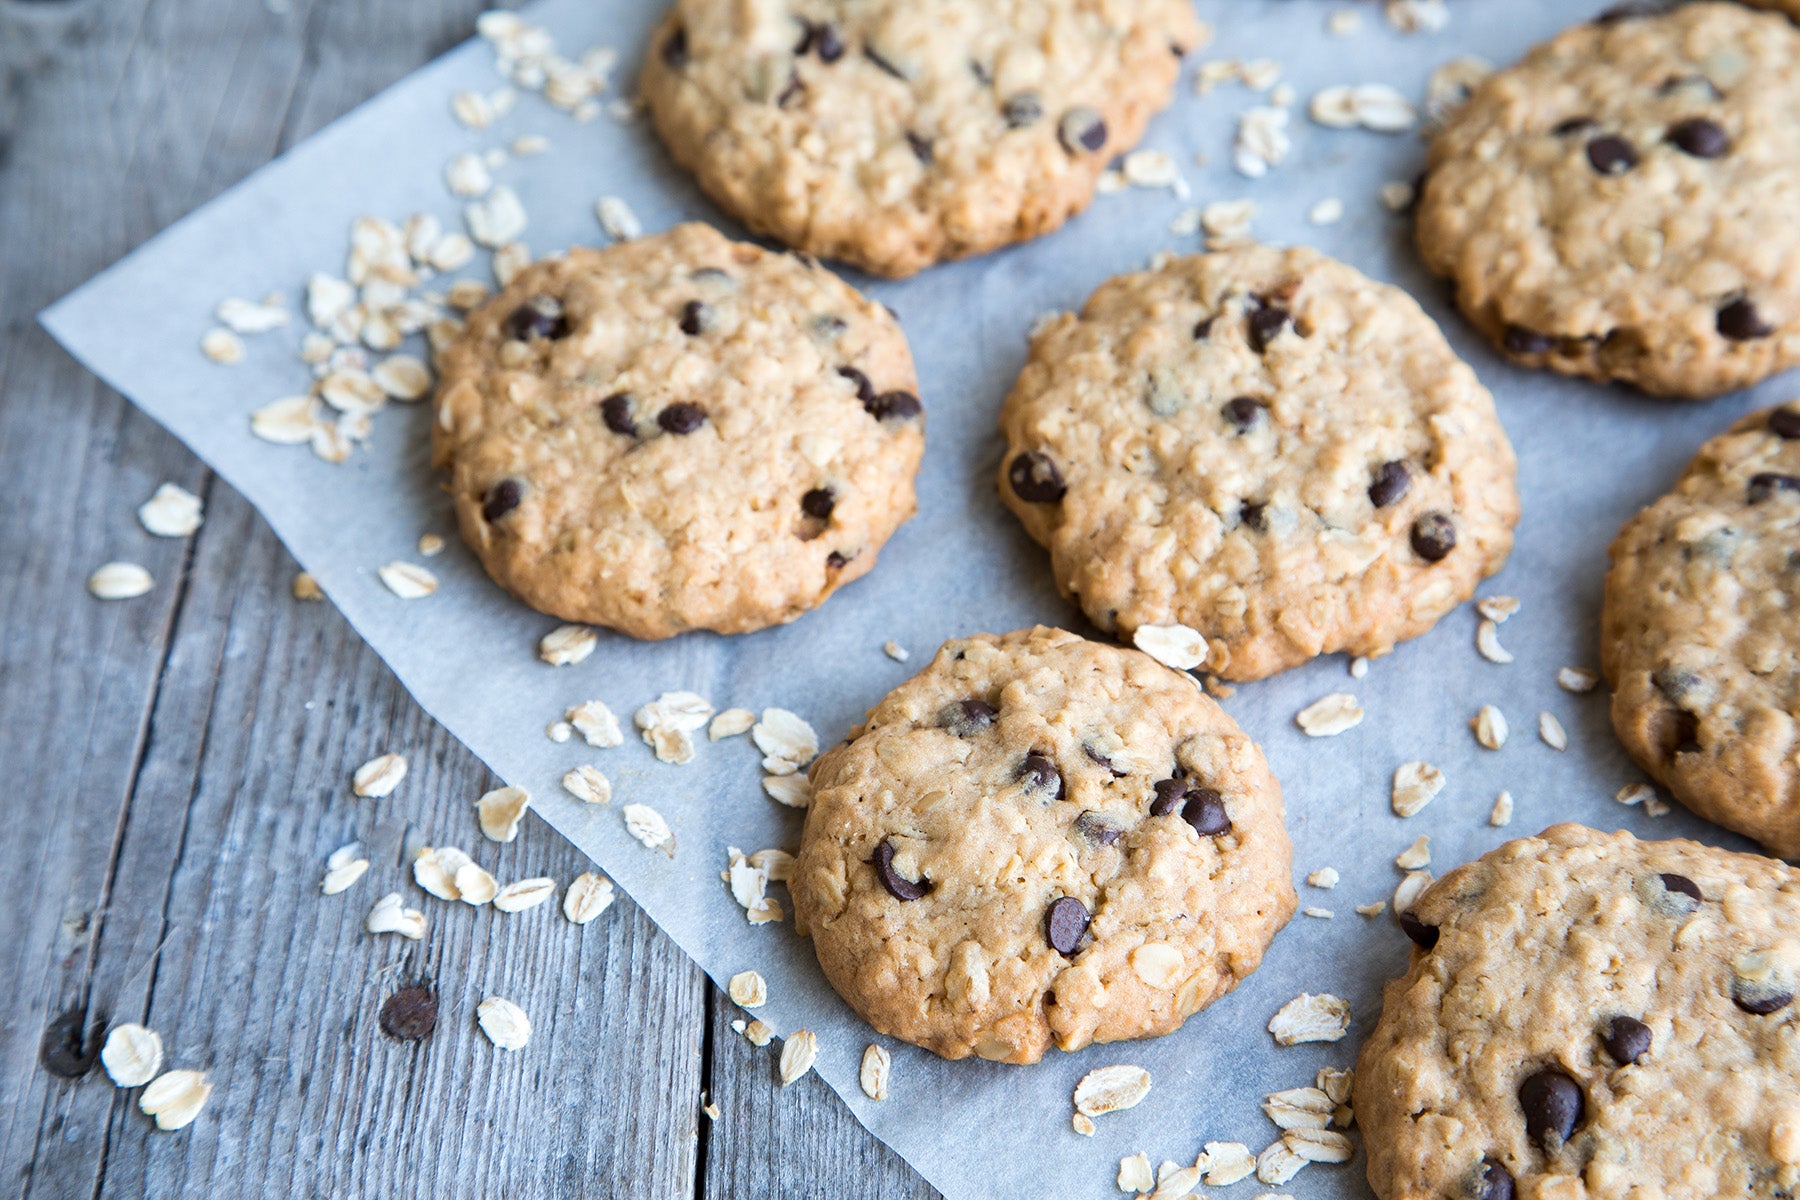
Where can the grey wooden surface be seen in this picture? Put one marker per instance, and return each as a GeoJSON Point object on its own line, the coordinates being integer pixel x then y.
{"type": "Point", "coordinates": [175, 767]}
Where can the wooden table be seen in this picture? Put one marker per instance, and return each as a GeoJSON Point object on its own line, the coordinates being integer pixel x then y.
{"type": "Point", "coordinates": [175, 767]}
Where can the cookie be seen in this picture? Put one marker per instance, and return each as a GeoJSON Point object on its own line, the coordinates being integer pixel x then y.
{"type": "Point", "coordinates": [678, 432]}
{"type": "Point", "coordinates": [1616, 206]}
{"type": "Point", "coordinates": [1591, 1017]}
{"type": "Point", "coordinates": [893, 134]}
{"type": "Point", "coordinates": [1700, 631]}
{"type": "Point", "coordinates": [1041, 840]}
{"type": "Point", "coordinates": [1262, 445]}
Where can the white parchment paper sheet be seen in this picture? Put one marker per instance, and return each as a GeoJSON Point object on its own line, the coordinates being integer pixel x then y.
{"type": "Point", "coordinates": [1589, 457]}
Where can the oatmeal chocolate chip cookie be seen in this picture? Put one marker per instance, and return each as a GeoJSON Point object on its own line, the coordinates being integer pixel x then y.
{"type": "Point", "coordinates": [1040, 839]}
{"type": "Point", "coordinates": [1617, 205]}
{"type": "Point", "coordinates": [893, 134]}
{"type": "Point", "coordinates": [1590, 1016]}
{"type": "Point", "coordinates": [1262, 445]}
{"type": "Point", "coordinates": [1700, 632]}
{"type": "Point", "coordinates": [679, 432]}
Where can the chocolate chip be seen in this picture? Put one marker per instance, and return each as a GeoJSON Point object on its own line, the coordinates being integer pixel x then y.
{"type": "Point", "coordinates": [1266, 325]}
{"type": "Point", "coordinates": [501, 499]}
{"type": "Point", "coordinates": [1039, 774]}
{"type": "Point", "coordinates": [1627, 1039]}
{"type": "Point", "coordinates": [818, 503]}
{"type": "Point", "coordinates": [894, 406]}
{"type": "Point", "coordinates": [921, 147]}
{"type": "Point", "coordinates": [1082, 130]}
{"type": "Point", "coordinates": [1519, 340]}
{"type": "Point", "coordinates": [410, 1014]}
{"type": "Point", "coordinates": [865, 391]}
{"type": "Point", "coordinates": [828, 43]}
{"type": "Point", "coordinates": [675, 49]}
{"type": "Point", "coordinates": [793, 91]}
{"type": "Point", "coordinates": [615, 410]}
{"type": "Point", "coordinates": [1022, 109]}
{"type": "Point", "coordinates": [1256, 516]}
{"type": "Point", "coordinates": [1681, 885]}
{"type": "Point", "coordinates": [1424, 936]}
{"type": "Point", "coordinates": [1242, 413]}
{"type": "Point", "coordinates": [1784, 423]}
{"type": "Point", "coordinates": [694, 318]}
{"type": "Point", "coordinates": [681, 418]}
{"type": "Point", "coordinates": [1759, 1002]}
{"type": "Point", "coordinates": [65, 1049]}
{"type": "Point", "coordinates": [1096, 757]}
{"type": "Point", "coordinates": [1573, 125]}
{"type": "Point", "coordinates": [1767, 483]}
{"type": "Point", "coordinates": [1611, 155]}
{"type": "Point", "coordinates": [1035, 479]}
{"type": "Point", "coordinates": [968, 717]}
{"type": "Point", "coordinates": [1740, 322]}
{"type": "Point", "coordinates": [837, 560]}
{"type": "Point", "coordinates": [1065, 925]}
{"type": "Point", "coordinates": [1700, 137]}
{"type": "Point", "coordinates": [1495, 1182]}
{"type": "Point", "coordinates": [1097, 829]}
{"type": "Point", "coordinates": [1169, 796]}
{"type": "Point", "coordinates": [1205, 811]}
{"type": "Point", "coordinates": [1553, 1105]}
{"type": "Point", "coordinates": [1203, 328]}
{"type": "Point", "coordinates": [1392, 481]}
{"type": "Point", "coordinates": [1433, 536]}
{"type": "Point", "coordinates": [874, 56]}
{"type": "Point", "coordinates": [898, 886]}
{"type": "Point", "coordinates": [538, 317]}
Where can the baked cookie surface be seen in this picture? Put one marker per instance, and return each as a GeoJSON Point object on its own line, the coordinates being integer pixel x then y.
{"type": "Point", "coordinates": [678, 432]}
{"type": "Point", "coordinates": [1041, 840]}
{"type": "Point", "coordinates": [1263, 445]}
{"type": "Point", "coordinates": [1701, 634]}
{"type": "Point", "coordinates": [893, 134]}
{"type": "Point", "coordinates": [1615, 205]}
{"type": "Point", "coordinates": [1595, 1017]}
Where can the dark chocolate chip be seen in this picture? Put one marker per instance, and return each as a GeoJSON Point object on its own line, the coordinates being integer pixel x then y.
{"type": "Point", "coordinates": [1035, 479]}
{"type": "Point", "coordinates": [1170, 793]}
{"type": "Point", "coordinates": [1681, 885]}
{"type": "Point", "coordinates": [65, 1049]}
{"type": "Point", "coordinates": [1553, 1105]}
{"type": "Point", "coordinates": [898, 886]}
{"type": "Point", "coordinates": [675, 48]}
{"type": "Point", "coordinates": [615, 410]}
{"type": "Point", "coordinates": [1495, 1182]}
{"type": "Point", "coordinates": [694, 318]}
{"type": "Point", "coordinates": [1243, 414]}
{"type": "Point", "coordinates": [1759, 1001]}
{"type": "Point", "coordinates": [1767, 483]}
{"type": "Point", "coordinates": [1627, 1039]}
{"type": "Point", "coordinates": [501, 499]}
{"type": "Point", "coordinates": [827, 43]}
{"type": "Point", "coordinates": [1573, 125]}
{"type": "Point", "coordinates": [1433, 536]}
{"type": "Point", "coordinates": [1700, 137]}
{"type": "Point", "coordinates": [1097, 829]}
{"type": "Point", "coordinates": [968, 717]}
{"type": "Point", "coordinates": [681, 418]}
{"type": "Point", "coordinates": [1022, 109]}
{"type": "Point", "coordinates": [1740, 322]}
{"type": "Point", "coordinates": [1392, 481]}
{"type": "Point", "coordinates": [538, 317]}
{"type": "Point", "coordinates": [921, 147]}
{"type": "Point", "coordinates": [818, 503]}
{"type": "Point", "coordinates": [410, 1014]}
{"type": "Point", "coordinates": [1096, 757]}
{"type": "Point", "coordinates": [1784, 423]}
{"type": "Point", "coordinates": [1256, 516]}
{"type": "Point", "coordinates": [837, 560]}
{"type": "Point", "coordinates": [1039, 774]}
{"type": "Point", "coordinates": [1065, 925]}
{"type": "Point", "coordinates": [894, 406]}
{"type": "Point", "coordinates": [1519, 340]}
{"type": "Point", "coordinates": [1266, 325]}
{"type": "Point", "coordinates": [1424, 936]}
{"type": "Point", "coordinates": [1082, 130]}
{"type": "Point", "coordinates": [865, 391]}
{"type": "Point", "coordinates": [874, 56]}
{"type": "Point", "coordinates": [1611, 155]}
{"type": "Point", "coordinates": [1205, 811]}
{"type": "Point", "coordinates": [1203, 328]}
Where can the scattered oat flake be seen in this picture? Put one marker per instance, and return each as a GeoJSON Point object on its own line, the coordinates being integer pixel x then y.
{"type": "Point", "coordinates": [1135, 1174]}
{"type": "Point", "coordinates": [1330, 716]}
{"type": "Point", "coordinates": [617, 219]}
{"type": "Point", "coordinates": [895, 651]}
{"type": "Point", "coordinates": [403, 377]}
{"type": "Point", "coordinates": [588, 785]}
{"type": "Point", "coordinates": [795, 791]}
{"type": "Point", "coordinates": [1322, 914]}
{"type": "Point", "coordinates": [567, 645]}
{"type": "Point", "coordinates": [171, 512]}
{"type": "Point", "coordinates": [669, 722]}
{"type": "Point", "coordinates": [730, 723]}
{"type": "Point", "coordinates": [1497, 608]}
{"type": "Point", "coordinates": [1227, 222]}
{"type": "Point", "coordinates": [291, 421]}
{"type": "Point", "coordinates": [1359, 667]}
{"type": "Point", "coordinates": [1174, 646]}
{"type": "Point", "coordinates": [472, 109]}
{"type": "Point", "coordinates": [249, 317]}
{"type": "Point", "coordinates": [1311, 1018]}
{"type": "Point", "coordinates": [1656, 806]}
{"type": "Point", "coordinates": [132, 1055]}
{"type": "Point", "coordinates": [1397, 195]}
{"type": "Point", "coordinates": [474, 885]}
{"type": "Point", "coordinates": [786, 739]}
{"type": "Point", "coordinates": [1416, 784]}
{"type": "Point", "coordinates": [1487, 642]}
{"type": "Point", "coordinates": [430, 545]}
{"type": "Point", "coordinates": [1084, 1124]}
{"type": "Point", "coordinates": [377, 778]}
{"type": "Point", "coordinates": [1490, 727]}
{"type": "Point", "coordinates": [1262, 140]}
{"type": "Point", "coordinates": [175, 1098]}
{"type": "Point", "coordinates": [1111, 1089]}
{"type": "Point", "coordinates": [1228, 1162]}
{"type": "Point", "coordinates": [1324, 877]}
{"type": "Point", "coordinates": [500, 811]}
{"type": "Point", "coordinates": [647, 826]}
{"type": "Point", "coordinates": [1502, 813]}
{"type": "Point", "coordinates": [1343, 22]}
{"type": "Point", "coordinates": [876, 1065]}
{"type": "Point", "coordinates": [1416, 855]}
{"type": "Point", "coordinates": [306, 588]}
{"type": "Point", "coordinates": [497, 219]}
{"type": "Point", "coordinates": [409, 581]}
{"type": "Point", "coordinates": [1416, 16]}
{"type": "Point", "coordinates": [434, 869]}
{"type": "Point", "coordinates": [798, 1054]}
{"type": "Point", "coordinates": [222, 346]}
{"type": "Point", "coordinates": [504, 1022]}
{"type": "Point", "coordinates": [596, 724]}
{"type": "Point", "coordinates": [559, 731]}
{"type": "Point", "coordinates": [1371, 910]}
{"type": "Point", "coordinates": [1577, 679]}
{"type": "Point", "coordinates": [1278, 1164]}
{"type": "Point", "coordinates": [757, 1033]}
{"type": "Point", "coordinates": [1634, 793]}
{"type": "Point", "coordinates": [1319, 1145]}
{"type": "Point", "coordinates": [524, 893]}
{"type": "Point", "coordinates": [1410, 889]}
{"type": "Point", "coordinates": [1175, 1181]}
{"type": "Point", "coordinates": [748, 989]}
{"type": "Point", "coordinates": [120, 581]}
{"type": "Point", "coordinates": [588, 895]}
{"type": "Point", "coordinates": [390, 916]}
{"type": "Point", "coordinates": [1550, 729]}
{"type": "Point", "coordinates": [1328, 211]}
{"type": "Point", "coordinates": [1299, 1108]}
{"type": "Point", "coordinates": [1376, 106]}
{"type": "Point", "coordinates": [341, 876]}
{"type": "Point", "coordinates": [529, 145]}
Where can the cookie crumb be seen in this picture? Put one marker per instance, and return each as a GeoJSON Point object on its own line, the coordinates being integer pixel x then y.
{"type": "Point", "coordinates": [1359, 667]}
{"type": "Point", "coordinates": [895, 651]}
{"type": "Point", "coordinates": [1324, 877]}
{"type": "Point", "coordinates": [1371, 910]}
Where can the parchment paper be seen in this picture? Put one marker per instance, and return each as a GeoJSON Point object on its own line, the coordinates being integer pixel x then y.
{"type": "Point", "coordinates": [1590, 456]}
